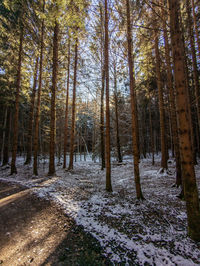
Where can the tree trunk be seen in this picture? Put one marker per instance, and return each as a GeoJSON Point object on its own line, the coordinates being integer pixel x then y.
{"type": "Point", "coordinates": [161, 105]}
{"type": "Point", "coordinates": [184, 130]}
{"type": "Point", "coordinates": [16, 115]}
{"type": "Point", "coordinates": [37, 115]}
{"type": "Point", "coordinates": [72, 135]}
{"type": "Point", "coordinates": [108, 164]}
{"type": "Point", "coordinates": [66, 107]}
{"type": "Point", "coordinates": [7, 138]}
{"type": "Point", "coordinates": [4, 131]}
{"type": "Point", "coordinates": [119, 156]}
{"type": "Point", "coordinates": [31, 116]}
{"type": "Point", "coordinates": [170, 88]}
{"type": "Point", "coordinates": [102, 97]}
{"type": "Point", "coordinates": [151, 133]}
{"type": "Point", "coordinates": [194, 61]}
{"type": "Point", "coordinates": [53, 101]}
{"type": "Point", "coordinates": [133, 106]}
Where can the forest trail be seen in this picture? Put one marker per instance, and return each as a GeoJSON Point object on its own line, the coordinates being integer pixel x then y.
{"type": "Point", "coordinates": [34, 231]}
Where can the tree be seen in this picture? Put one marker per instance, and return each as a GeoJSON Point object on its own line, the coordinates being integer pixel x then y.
{"type": "Point", "coordinates": [106, 54]}
{"type": "Point", "coordinates": [53, 100]}
{"type": "Point", "coordinates": [16, 114]}
{"type": "Point", "coordinates": [133, 106]}
{"type": "Point", "coordinates": [189, 179]}
{"type": "Point", "coordinates": [161, 105]}
{"type": "Point", "coordinates": [72, 135]}
{"type": "Point", "coordinates": [66, 107]}
{"type": "Point", "coordinates": [37, 116]}
{"type": "Point", "coordinates": [31, 116]}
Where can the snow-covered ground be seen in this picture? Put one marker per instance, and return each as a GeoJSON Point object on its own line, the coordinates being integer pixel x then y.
{"type": "Point", "coordinates": [131, 232]}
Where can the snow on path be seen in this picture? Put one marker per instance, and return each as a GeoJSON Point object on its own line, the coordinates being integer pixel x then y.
{"type": "Point", "coordinates": [152, 232]}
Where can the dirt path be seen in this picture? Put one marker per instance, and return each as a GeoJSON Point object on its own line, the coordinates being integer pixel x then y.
{"type": "Point", "coordinates": [33, 231]}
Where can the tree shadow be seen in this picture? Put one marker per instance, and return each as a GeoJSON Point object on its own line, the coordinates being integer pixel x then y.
{"type": "Point", "coordinates": [33, 231]}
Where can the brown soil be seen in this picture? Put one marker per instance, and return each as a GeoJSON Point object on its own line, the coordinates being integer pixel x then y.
{"type": "Point", "coordinates": [34, 231]}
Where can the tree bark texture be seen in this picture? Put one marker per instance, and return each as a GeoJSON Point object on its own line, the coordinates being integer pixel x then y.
{"type": "Point", "coordinates": [37, 115]}
{"type": "Point", "coordinates": [53, 101]}
{"type": "Point", "coordinates": [184, 130]}
{"type": "Point", "coordinates": [66, 106]}
{"type": "Point", "coordinates": [108, 164]}
{"type": "Point", "coordinates": [119, 156]}
{"type": "Point", "coordinates": [133, 106]}
{"type": "Point", "coordinates": [16, 114]}
{"type": "Point", "coordinates": [170, 87]}
{"type": "Point", "coordinates": [31, 117]}
{"type": "Point", "coordinates": [161, 105]}
{"type": "Point", "coordinates": [72, 134]}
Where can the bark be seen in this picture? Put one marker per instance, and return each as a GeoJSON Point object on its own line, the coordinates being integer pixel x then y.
{"type": "Point", "coordinates": [66, 106]}
{"type": "Point", "coordinates": [119, 156]}
{"type": "Point", "coordinates": [37, 115]}
{"type": "Point", "coordinates": [102, 98]}
{"type": "Point", "coordinates": [133, 106]}
{"type": "Point", "coordinates": [16, 114]}
{"type": "Point", "coordinates": [4, 129]}
{"type": "Point", "coordinates": [53, 101]}
{"type": "Point", "coordinates": [108, 164]}
{"type": "Point", "coordinates": [170, 87]}
{"type": "Point", "coordinates": [151, 134]}
{"type": "Point", "coordinates": [31, 116]}
{"type": "Point", "coordinates": [184, 130]}
{"type": "Point", "coordinates": [189, 102]}
{"type": "Point", "coordinates": [161, 105]}
{"type": "Point", "coordinates": [7, 138]}
{"type": "Point", "coordinates": [194, 60]}
{"type": "Point", "coordinates": [72, 134]}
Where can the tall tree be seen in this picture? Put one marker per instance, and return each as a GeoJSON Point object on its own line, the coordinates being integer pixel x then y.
{"type": "Point", "coordinates": [53, 100]}
{"type": "Point", "coordinates": [31, 116]}
{"type": "Point", "coordinates": [16, 114]}
{"type": "Point", "coordinates": [133, 105]}
{"type": "Point", "coordinates": [66, 106]}
{"type": "Point", "coordinates": [37, 115]}
{"type": "Point", "coordinates": [106, 54]}
{"type": "Point", "coordinates": [119, 156]}
{"type": "Point", "coordinates": [161, 105]}
{"type": "Point", "coordinates": [72, 134]}
{"type": "Point", "coordinates": [170, 88]}
{"type": "Point", "coordinates": [102, 94]}
{"type": "Point", "coordinates": [187, 164]}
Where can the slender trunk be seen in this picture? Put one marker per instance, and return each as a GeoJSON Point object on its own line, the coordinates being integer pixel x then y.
{"type": "Point", "coordinates": [66, 107]}
{"type": "Point", "coordinates": [196, 27]}
{"type": "Point", "coordinates": [151, 133]}
{"type": "Point", "coordinates": [102, 97]}
{"type": "Point", "coordinates": [170, 88]}
{"type": "Point", "coordinates": [53, 101]}
{"type": "Point", "coordinates": [102, 121]}
{"type": "Point", "coordinates": [16, 115]}
{"type": "Point", "coordinates": [133, 106]}
{"type": "Point", "coordinates": [37, 115]}
{"type": "Point", "coordinates": [72, 135]}
{"type": "Point", "coordinates": [108, 165]}
{"type": "Point", "coordinates": [189, 102]}
{"type": "Point", "coordinates": [4, 131]}
{"type": "Point", "coordinates": [184, 130]}
{"type": "Point", "coordinates": [161, 105]}
{"type": "Point", "coordinates": [31, 116]}
{"type": "Point", "coordinates": [119, 156]}
{"type": "Point", "coordinates": [194, 60]}
{"type": "Point", "coordinates": [7, 138]}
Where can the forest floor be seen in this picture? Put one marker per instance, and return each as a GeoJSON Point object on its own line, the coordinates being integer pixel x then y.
{"type": "Point", "coordinates": [113, 225]}
{"type": "Point", "coordinates": [34, 231]}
